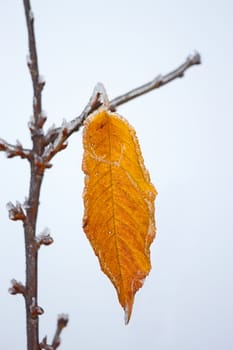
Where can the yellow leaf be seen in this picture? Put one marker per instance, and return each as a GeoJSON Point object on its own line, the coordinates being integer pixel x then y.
{"type": "Point", "coordinates": [119, 203]}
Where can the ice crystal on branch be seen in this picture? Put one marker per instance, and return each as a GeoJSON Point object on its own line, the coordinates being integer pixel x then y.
{"type": "Point", "coordinates": [62, 320]}
{"type": "Point", "coordinates": [44, 238]}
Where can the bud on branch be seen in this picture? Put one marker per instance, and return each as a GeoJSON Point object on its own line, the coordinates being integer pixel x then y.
{"type": "Point", "coordinates": [17, 288]}
{"type": "Point", "coordinates": [15, 212]}
{"type": "Point", "coordinates": [44, 238]}
{"type": "Point", "coordinates": [35, 310]}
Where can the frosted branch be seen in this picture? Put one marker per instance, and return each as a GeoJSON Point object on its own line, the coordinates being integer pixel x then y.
{"type": "Point", "coordinates": [158, 82]}
{"type": "Point", "coordinates": [98, 98]}
{"type": "Point", "coordinates": [14, 150]}
{"type": "Point", "coordinates": [36, 125]}
{"type": "Point", "coordinates": [37, 167]}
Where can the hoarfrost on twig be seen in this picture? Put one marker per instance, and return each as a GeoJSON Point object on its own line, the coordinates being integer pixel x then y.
{"type": "Point", "coordinates": [11, 210]}
{"type": "Point", "coordinates": [26, 203]}
{"type": "Point", "coordinates": [29, 60]}
{"type": "Point", "coordinates": [31, 15]}
{"type": "Point", "coordinates": [44, 238]}
{"type": "Point", "coordinates": [48, 149]}
{"type": "Point", "coordinates": [41, 79]}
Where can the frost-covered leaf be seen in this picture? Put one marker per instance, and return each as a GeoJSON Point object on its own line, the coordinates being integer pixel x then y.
{"type": "Point", "coordinates": [119, 203]}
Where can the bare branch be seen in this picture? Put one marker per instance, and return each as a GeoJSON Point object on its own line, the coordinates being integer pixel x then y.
{"type": "Point", "coordinates": [59, 136]}
{"type": "Point", "coordinates": [32, 61]}
{"type": "Point", "coordinates": [33, 311]}
{"type": "Point", "coordinates": [62, 322]}
{"type": "Point", "coordinates": [159, 81]}
{"type": "Point", "coordinates": [14, 150]}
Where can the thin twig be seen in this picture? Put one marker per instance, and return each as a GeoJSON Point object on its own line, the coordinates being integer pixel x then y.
{"type": "Point", "coordinates": [62, 322]}
{"type": "Point", "coordinates": [56, 137]}
{"type": "Point", "coordinates": [14, 150]}
{"type": "Point", "coordinates": [159, 81]}
{"type": "Point", "coordinates": [37, 82]}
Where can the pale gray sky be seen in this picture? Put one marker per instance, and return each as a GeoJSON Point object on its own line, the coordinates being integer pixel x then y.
{"type": "Point", "coordinates": [185, 131]}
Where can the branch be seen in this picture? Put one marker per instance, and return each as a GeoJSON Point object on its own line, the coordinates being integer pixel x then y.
{"type": "Point", "coordinates": [32, 61]}
{"type": "Point", "coordinates": [159, 81]}
{"type": "Point", "coordinates": [62, 322]}
{"type": "Point", "coordinates": [14, 150]}
{"type": "Point", "coordinates": [33, 311]}
{"type": "Point", "coordinates": [56, 137]}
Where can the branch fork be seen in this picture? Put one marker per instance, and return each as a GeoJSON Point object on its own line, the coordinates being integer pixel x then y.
{"type": "Point", "coordinates": [62, 322]}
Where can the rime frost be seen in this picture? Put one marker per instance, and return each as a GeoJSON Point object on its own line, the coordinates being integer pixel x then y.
{"type": "Point", "coordinates": [18, 144]}
{"type": "Point", "coordinates": [26, 203]}
{"type": "Point", "coordinates": [10, 206]}
{"type": "Point", "coordinates": [63, 316]}
{"type": "Point", "coordinates": [31, 15]}
{"type": "Point", "coordinates": [11, 210]}
{"type": "Point", "coordinates": [41, 79]}
{"type": "Point", "coordinates": [51, 129]}
{"type": "Point", "coordinates": [29, 60]}
{"type": "Point", "coordinates": [48, 149]}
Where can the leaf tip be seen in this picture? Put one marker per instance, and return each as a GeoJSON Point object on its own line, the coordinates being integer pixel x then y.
{"type": "Point", "coordinates": [128, 311]}
{"type": "Point", "coordinates": [126, 315]}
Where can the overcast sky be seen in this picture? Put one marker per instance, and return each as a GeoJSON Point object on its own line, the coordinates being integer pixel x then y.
{"type": "Point", "coordinates": [185, 130]}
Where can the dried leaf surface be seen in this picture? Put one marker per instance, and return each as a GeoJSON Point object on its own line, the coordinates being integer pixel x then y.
{"type": "Point", "coordinates": [119, 203]}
